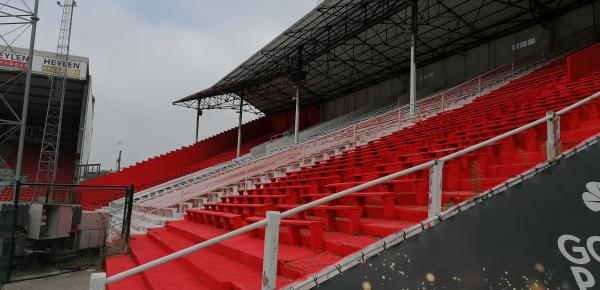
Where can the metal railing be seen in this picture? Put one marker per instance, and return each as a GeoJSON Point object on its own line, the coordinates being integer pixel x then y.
{"type": "Point", "coordinates": [376, 248]}
{"type": "Point", "coordinates": [269, 274]}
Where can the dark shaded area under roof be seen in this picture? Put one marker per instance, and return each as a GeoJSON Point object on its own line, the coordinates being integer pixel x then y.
{"type": "Point", "coordinates": [13, 87]}
{"type": "Point", "coordinates": [347, 45]}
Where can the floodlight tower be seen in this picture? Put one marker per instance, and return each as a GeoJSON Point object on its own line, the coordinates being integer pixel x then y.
{"type": "Point", "coordinates": [48, 162]}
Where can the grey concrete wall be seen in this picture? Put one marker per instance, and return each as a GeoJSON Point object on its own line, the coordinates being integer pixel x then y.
{"type": "Point", "coordinates": [382, 93]}
{"type": "Point", "coordinates": [596, 11]}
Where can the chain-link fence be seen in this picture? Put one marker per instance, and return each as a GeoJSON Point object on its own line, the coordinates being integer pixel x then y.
{"type": "Point", "coordinates": [43, 228]}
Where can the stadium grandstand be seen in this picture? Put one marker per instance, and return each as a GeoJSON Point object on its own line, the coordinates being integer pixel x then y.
{"type": "Point", "coordinates": [78, 113]}
{"type": "Point", "coordinates": [405, 144]}
{"type": "Point", "coordinates": [396, 104]}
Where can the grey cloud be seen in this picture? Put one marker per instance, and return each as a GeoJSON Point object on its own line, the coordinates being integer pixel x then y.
{"type": "Point", "coordinates": [141, 66]}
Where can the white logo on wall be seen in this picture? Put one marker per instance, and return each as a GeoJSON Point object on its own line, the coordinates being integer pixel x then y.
{"type": "Point", "coordinates": [582, 253]}
{"type": "Point", "coordinates": [591, 198]}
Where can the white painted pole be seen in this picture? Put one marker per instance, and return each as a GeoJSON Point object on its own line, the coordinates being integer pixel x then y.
{"type": "Point", "coordinates": [413, 75]}
{"type": "Point", "coordinates": [354, 135]}
{"type": "Point", "coordinates": [297, 117]}
{"type": "Point", "coordinates": [269, 273]}
{"type": "Point", "coordinates": [181, 202]}
{"type": "Point", "coordinates": [435, 189]}
{"type": "Point", "coordinates": [413, 61]}
{"type": "Point", "coordinates": [443, 95]}
{"type": "Point", "coordinates": [553, 136]}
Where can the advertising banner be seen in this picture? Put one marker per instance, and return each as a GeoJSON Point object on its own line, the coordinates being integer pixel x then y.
{"type": "Point", "coordinates": [51, 66]}
{"type": "Point", "coordinates": [541, 234]}
{"type": "Point", "coordinates": [13, 59]}
{"type": "Point", "coordinates": [43, 62]}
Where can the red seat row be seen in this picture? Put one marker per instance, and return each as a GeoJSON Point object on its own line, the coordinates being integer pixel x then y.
{"type": "Point", "coordinates": [324, 234]}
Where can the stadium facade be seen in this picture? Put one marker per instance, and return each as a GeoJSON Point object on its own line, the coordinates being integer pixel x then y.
{"type": "Point", "coordinates": [78, 111]}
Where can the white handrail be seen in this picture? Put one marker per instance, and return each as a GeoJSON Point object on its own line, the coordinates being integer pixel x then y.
{"type": "Point", "coordinates": [334, 196]}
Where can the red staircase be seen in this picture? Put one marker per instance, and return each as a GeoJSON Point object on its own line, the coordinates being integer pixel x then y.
{"type": "Point", "coordinates": [323, 235]}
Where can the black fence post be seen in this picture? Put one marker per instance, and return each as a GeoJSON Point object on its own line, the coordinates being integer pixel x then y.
{"type": "Point", "coordinates": [129, 205]}
{"type": "Point", "coordinates": [47, 194]}
{"type": "Point", "coordinates": [125, 207]}
{"type": "Point", "coordinates": [13, 230]}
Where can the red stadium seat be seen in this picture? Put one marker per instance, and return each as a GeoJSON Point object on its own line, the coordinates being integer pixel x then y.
{"type": "Point", "coordinates": [319, 237]}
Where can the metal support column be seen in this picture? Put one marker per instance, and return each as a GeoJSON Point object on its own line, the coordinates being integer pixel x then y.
{"type": "Point", "coordinates": [413, 64]}
{"type": "Point", "coordinates": [435, 189]}
{"type": "Point", "coordinates": [443, 95]}
{"type": "Point", "coordinates": [198, 114]}
{"type": "Point", "coordinates": [298, 77]}
{"type": "Point", "coordinates": [354, 136]}
{"type": "Point", "coordinates": [553, 136]}
{"type": "Point", "coordinates": [512, 70]}
{"type": "Point", "coordinates": [34, 20]}
{"type": "Point", "coordinates": [297, 117]}
{"type": "Point", "coordinates": [13, 230]}
{"type": "Point", "coordinates": [269, 273]}
{"type": "Point", "coordinates": [239, 138]}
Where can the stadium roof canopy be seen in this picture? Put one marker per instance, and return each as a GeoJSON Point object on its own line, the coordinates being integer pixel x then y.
{"type": "Point", "coordinates": [346, 45]}
{"type": "Point", "coordinates": [44, 64]}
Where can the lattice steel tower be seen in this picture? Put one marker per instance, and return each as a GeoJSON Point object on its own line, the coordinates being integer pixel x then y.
{"type": "Point", "coordinates": [49, 152]}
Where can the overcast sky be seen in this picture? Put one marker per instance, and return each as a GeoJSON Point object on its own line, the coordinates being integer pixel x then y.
{"type": "Point", "coordinates": [144, 54]}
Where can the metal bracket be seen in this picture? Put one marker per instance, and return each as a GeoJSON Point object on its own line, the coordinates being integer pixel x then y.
{"type": "Point", "coordinates": [269, 273]}
{"type": "Point", "coordinates": [553, 136]}
{"type": "Point", "coordinates": [435, 189]}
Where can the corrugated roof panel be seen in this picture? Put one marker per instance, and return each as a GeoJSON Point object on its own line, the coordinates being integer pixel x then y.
{"type": "Point", "coordinates": [344, 40]}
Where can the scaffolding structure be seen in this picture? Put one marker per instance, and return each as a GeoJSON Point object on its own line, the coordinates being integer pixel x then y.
{"type": "Point", "coordinates": [50, 149]}
{"type": "Point", "coordinates": [17, 19]}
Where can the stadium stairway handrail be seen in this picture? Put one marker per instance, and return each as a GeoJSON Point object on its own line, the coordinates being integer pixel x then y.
{"type": "Point", "coordinates": [403, 235]}
{"type": "Point", "coordinates": [99, 280]}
